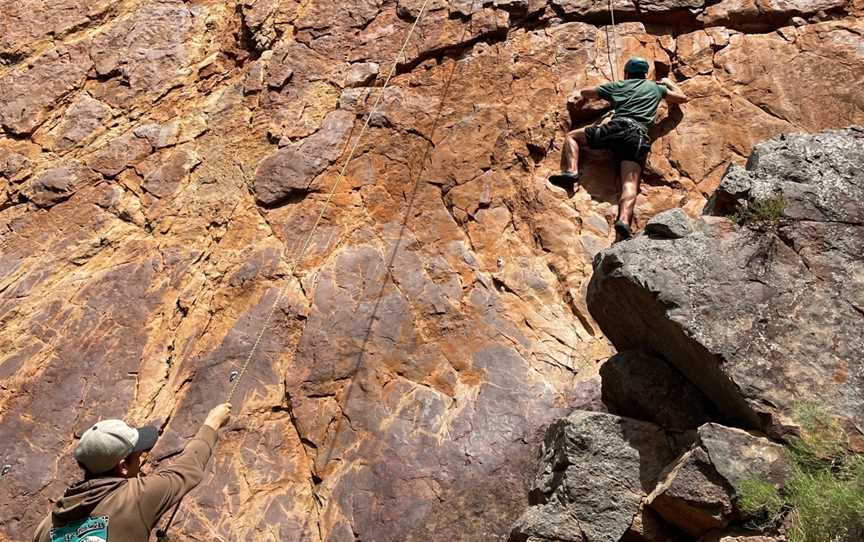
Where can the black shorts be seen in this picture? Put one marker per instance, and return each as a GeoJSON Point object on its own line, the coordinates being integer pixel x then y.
{"type": "Point", "coordinates": [627, 140]}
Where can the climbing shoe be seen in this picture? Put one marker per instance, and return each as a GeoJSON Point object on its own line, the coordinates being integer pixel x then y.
{"type": "Point", "coordinates": [566, 180]}
{"type": "Point", "coordinates": [622, 231]}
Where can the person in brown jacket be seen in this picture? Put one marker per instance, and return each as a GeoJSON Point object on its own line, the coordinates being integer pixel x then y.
{"type": "Point", "coordinates": [115, 502]}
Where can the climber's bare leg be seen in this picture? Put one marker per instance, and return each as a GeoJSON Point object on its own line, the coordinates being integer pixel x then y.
{"type": "Point", "coordinates": [570, 152]}
{"type": "Point", "coordinates": [631, 174]}
{"type": "Point", "coordinates": [570, 175]}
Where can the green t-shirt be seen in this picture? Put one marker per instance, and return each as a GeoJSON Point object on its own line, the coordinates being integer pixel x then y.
{"type": "Point", "coordinates": [635, 99]}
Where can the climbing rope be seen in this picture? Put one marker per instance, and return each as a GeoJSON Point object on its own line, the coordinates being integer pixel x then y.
{"type": "Point", "coordinates": [612, 46]}
{"type": "Point", "coordinates": [415, 186]}
{"type": "Point", "coordinates": [237, 376]}
{"type": "Point", "coordinates": [308, 241]}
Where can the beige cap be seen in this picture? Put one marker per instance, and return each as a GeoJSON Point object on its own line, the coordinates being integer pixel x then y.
{"type": "Point", "coordinates": [108, 442]}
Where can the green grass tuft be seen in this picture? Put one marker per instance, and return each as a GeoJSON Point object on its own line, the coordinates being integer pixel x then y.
{"type": "Point", "coordinates": [825, 492]}
{"type": "Point", "coordinates": [826, 507]}
{"type": "Point", "coordinates": [766, 211]}
{"type": "Point", "coordinates": [759, 498]}
{"type": "Point", "coordinates": [822, 444]}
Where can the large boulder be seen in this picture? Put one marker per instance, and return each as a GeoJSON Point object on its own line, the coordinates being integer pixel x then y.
{"type": "Point", "coordinates": [595, 470]}
{"type": "Point", "coordinates": [698, 493]}
{"type": "Point", "coordinates": [762, 316]}
{"type": "Point", "coordinates": [671, 224]}
{"type": "Point", "coordinates": [693, 496]}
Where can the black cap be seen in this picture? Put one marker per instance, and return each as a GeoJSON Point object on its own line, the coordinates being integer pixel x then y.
{"type": "Point", "coordinates": [147, 437]}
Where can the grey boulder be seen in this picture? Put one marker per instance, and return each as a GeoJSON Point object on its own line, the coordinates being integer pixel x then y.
{"type": "Point", "coordinates": [699, 492]}
{"type": "Point", "coordinates": [671, 224]}
{"type": "Point", "coordinates": [644, 387]}
{"type": "Point", "coordinates": [595, 470]}
{"type": "Point", "coordinates": [761, 318]}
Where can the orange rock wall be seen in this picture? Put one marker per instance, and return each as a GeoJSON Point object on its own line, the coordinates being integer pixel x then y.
{"type": "Point", "coordinates": [162, 161]}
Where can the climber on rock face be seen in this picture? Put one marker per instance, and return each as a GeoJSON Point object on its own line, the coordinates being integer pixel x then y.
{"type": "Point", "coordinates": [114, 498]}
{"type": "Point", "coordinates": [634, 100]}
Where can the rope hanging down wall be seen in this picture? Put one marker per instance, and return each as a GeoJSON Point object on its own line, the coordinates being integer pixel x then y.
{"type": "Point", "coordinates": [612, 45]}
{"type": "Point", "coordinates": [327, 201]}
{"type": "Point", "coordinates": [409, 207]}
{"type": "Point", "coordinates": [237, 377]}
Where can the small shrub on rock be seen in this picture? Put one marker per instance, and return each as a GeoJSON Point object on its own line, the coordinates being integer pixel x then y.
{"type": "Point", "coordinates": [827, 506]}
{"type": "Point", "coordinates": [822, 444]}
{"type": "Point", "coordinates": [767, 211]}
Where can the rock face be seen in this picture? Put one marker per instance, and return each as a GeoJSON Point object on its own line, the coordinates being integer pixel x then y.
{"type": "Point", "coordinates": [162, 162]}
{"type": "Point", "coordinates": [595, 470]}
{"type": "Point", "coordinates": [760, 318]}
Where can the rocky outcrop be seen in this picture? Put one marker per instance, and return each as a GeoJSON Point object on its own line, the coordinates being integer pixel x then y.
{"type": "Point", "coordinates": [760, 318]}
{"type": "Point", "coordinates": [604, 477]}
{"type": "Point", "coordinates": [745, 321]}
{"type": "Point", "coordinates": [595, 471]}
{"type": "Point", "coordinates": [162, 162]}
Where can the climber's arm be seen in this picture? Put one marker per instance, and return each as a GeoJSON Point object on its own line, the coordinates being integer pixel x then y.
{"type": "Point", "coordinates": [674, 94]}
{"type": "Point", "coordinates": [590, 93]}
{"type": "Point", "coordinates": [579, 97]}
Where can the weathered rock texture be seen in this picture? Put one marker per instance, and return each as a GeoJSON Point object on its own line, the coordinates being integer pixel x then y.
{"type": "Point", "coordinates": [698, 493]}
{"type": "Point", "coordinates": [607, 478]}
{"type": "Point", "coordinates": [764, 318]}
{"type": "Point", "coordinates": [595, 471]}
{"type": "Point", "coordinates": [162, 161]}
